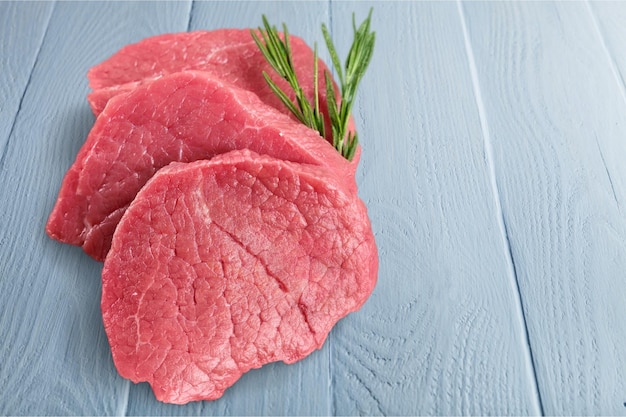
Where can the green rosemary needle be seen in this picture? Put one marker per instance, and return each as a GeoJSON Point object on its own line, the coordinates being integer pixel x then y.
{"type": "Point", "coordinates": [277, 52]}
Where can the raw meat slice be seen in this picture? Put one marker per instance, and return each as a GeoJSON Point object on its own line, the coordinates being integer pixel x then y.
{"type": "Point", "coordinates": [181, 117]}
{"type": "Point", "coordinates": [229, 54]}
{"type": "Point", "coordinates": [221, 266]}
{"type": "Point", "coordinates": [174, 52]}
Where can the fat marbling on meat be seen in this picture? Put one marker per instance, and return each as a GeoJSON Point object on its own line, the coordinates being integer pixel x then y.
{"type": "Point", "coordinates": [221, 266]}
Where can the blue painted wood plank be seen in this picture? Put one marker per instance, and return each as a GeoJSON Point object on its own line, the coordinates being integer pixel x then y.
{"type": "Point", "coordinates": [557, 122]}
{"type": "Point", "coordinates": [442, 333]}
{"type": "Point", "coordinates": [275, 389]}
{"type": "Point", "coordinates": [608, 19]}
{"type": "Point", "coordinates": [55, 358]}
{"type": "Point", "coordinates": [481, 175]}
{"type": "Point", "coordinates": [22, 28]}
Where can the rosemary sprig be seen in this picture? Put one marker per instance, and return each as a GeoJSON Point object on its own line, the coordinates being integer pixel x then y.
{"type": "Point", "coordinates": [277, 52]}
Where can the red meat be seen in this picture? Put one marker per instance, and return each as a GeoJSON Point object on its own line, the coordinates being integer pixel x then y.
{"type": "Point", "coordinates": [184, 116]}
{"type": "Point", "coordinates": [228, 54]}
{"type": "Point", "coordinates": [221, 266]}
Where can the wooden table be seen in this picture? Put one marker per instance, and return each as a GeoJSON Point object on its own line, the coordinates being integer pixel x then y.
{"type": "Point", "coordinates": [494, 170]}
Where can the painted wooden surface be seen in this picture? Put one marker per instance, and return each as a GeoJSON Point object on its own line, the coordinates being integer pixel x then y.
{"type": "Point", "coordinates": [494, 136]}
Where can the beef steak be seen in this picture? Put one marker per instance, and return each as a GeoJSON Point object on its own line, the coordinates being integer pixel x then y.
{"type": "Point", "coordinates": [221, 266]}
{"type": "Point", "coordinates": [184, 116]}
{"type": "Point", "coordinates": [229, 54]}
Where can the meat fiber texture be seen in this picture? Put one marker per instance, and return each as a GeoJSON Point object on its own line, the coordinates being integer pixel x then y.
{"type": "Point", "coordinates": [228, 54]}
{"type": "Point", "coordinates": [221, 266]}
{"type": "Point", "coordinates": [185, 116]}
{"type": "Point", "coordinates": [232, 234]}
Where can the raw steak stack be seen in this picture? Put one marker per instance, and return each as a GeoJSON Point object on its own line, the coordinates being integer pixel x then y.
{"type": "Point", "coordinates": [232, 235]}
{"type": "Point", "coordinates": [228, 54]}
{"type": "Point", "coordinates": [181, 117]}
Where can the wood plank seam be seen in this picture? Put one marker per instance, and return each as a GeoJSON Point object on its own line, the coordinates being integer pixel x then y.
{"type": "Point", "coordinates": [19, 107]}
{"type": "Point", "coordinates": [621, 85]}
{"type": "Point", "coordinates": [614, 69]}
{"type": "Point", "coordinates": [190, 15]}
{"type": "Point", "coordinates": [608, 174]}
{"type": "Point", "coordinates": [501, 218]}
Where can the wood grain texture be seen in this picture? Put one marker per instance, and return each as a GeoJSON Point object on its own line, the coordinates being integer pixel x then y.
{"type": "Point", "coordinates": [493, 148]}
{"type": "Point", "coordinates": [55, 357]}
{"type": "Point", "coordinates": [608, 19]}
{"type": "Point", "coordinates": [22, 28]}
{"type": "Point", "coordinates": [557, 122]}
{"type": "Point", "coordinates": [441, 333]}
